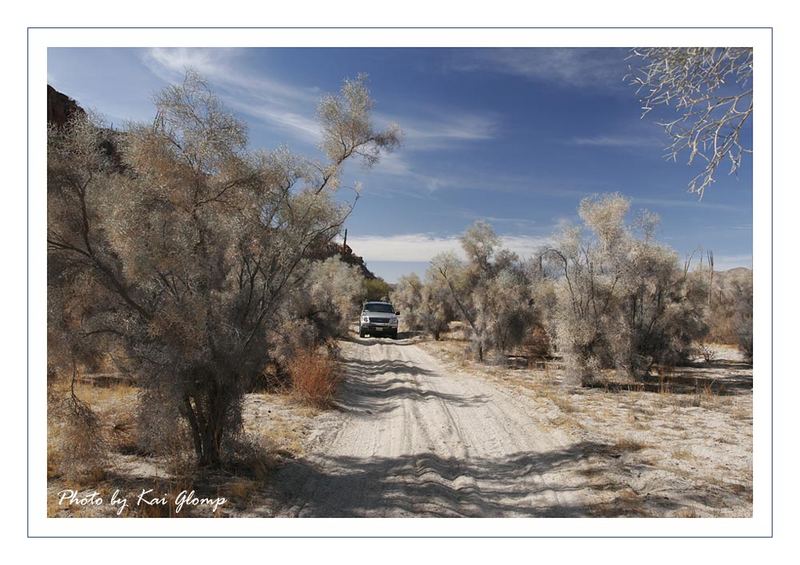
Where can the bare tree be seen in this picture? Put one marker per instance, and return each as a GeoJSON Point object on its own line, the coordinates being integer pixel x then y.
{"type": "Point", "coordinates": [710, 256]}
{"type": "Point", "coordinates": [711, 90]}
{"type": "Point", "coordinates": [506, 308]}
{"type": "Point", "coordinates": [185, 255]}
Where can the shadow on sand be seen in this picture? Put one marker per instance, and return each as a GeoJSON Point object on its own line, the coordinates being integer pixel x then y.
{"type": "Point", "coordinates": [379, 386]}
{"type": "Point", "coordinates": [427, 485]}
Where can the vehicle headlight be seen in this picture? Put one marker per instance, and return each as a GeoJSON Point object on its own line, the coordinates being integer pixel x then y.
{"type": "Point", "coordinates": [393, 322]}
{"type": "Point", "coordinates": [365, 319]}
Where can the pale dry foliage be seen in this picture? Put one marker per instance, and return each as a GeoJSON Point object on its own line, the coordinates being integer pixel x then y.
{"type": "Point", "coordinates": [625, 302]}
{"type": "Point", "coordinates": [710, 90]}
{"type": "Point", "coordinates": [77, 447]}
{"type": "Point", "coordinates": [181, 247]}
{"type": "Point", "coordinates": [490, 291]}
{"type": "Point", "coordinates": [605, 296]}
{"type": "Point", "coordinates": [322, 307]}
{"type": "Point", "coordinates": [426, 305]}
{"type": "Point", "coordinates": [436, 308]}
{"type": "Point", "coordinates": [375, 289]}
{"type": "Point", "coordinates": [407, 297]}
{"type": "Point", "coordinates": [731, 309]}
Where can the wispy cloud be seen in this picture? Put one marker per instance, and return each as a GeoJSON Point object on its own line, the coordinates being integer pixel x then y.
{"type": "Point", "coordinates": [294, 123]}
{"type": "Point", "coordinates": [620, 140]}
{"type": "Point", "coordinates": [523, 184]}
{"type": "Point", "coordinates": [292, 108]}
{"type": "Point", "coordinates": [225, 67]}
{"type": "Point", "coordinates": [424, 180]}
{"type": "Point", "coordinates": [418, 182]}
{"type": "Point", "coordinates": [690, 202]}
{"type": "Point", "coordinates": [288, 107]}
{"type": "Point", "coordinates": [524, 245]}
{"type": "Point", "coordinates": [510, 221]}
{"type": "Point", "coordinates": [443, 130]}
{"type": "Point", "coordinates": [422, 247]}
{"type": "Point", "coordinates": [570, 67]}
{"type": "Point", "coordinates": [523, 224]}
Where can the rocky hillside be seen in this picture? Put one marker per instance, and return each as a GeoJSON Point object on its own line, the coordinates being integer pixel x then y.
{"type": "Point", "coordinates": [60, 107]}
{"type": "Point", "coordinates": [346, 255]}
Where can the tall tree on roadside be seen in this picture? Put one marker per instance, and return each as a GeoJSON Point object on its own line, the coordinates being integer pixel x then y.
{"type": "Point", "coordinates": [184, 255]}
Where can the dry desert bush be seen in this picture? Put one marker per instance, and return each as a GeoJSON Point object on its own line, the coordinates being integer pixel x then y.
{"type": "Point", "coordinates": [314, 377]}
{"type": "Point", "coordinates": [605, 296]}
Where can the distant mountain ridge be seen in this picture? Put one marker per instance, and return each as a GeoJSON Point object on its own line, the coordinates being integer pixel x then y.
{"type": "Point", "coordinates": [737, 271]}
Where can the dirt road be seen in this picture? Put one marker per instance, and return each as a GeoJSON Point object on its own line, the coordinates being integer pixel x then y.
{"type": "Point", "coordinates": [410, 438]}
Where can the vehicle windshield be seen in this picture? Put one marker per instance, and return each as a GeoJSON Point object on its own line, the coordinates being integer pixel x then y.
{"type": "Point", "coordinates": [378, 307]}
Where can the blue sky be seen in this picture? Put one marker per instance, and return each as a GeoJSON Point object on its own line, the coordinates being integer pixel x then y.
{"type": "Point", "coordinates": [513, 136]}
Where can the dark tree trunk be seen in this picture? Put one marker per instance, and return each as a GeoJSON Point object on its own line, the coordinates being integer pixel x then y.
{"type": "Point", "coordinates": [480, 352]}
{"type": "Point", "coordinates": [205, 410]}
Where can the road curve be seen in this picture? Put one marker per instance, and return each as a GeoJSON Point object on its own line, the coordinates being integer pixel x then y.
{"type": "Point", "coordinates": [410, 438]}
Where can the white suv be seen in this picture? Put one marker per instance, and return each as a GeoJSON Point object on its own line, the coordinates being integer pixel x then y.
{"type": "Point", "coordinates": [378, 318]}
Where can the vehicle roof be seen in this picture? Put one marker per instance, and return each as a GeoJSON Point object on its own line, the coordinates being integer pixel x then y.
{"type": "Point", "coordinates": [377, 302]}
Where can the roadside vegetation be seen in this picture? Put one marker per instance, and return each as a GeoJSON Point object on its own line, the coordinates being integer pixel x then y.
{"type": "Point", "coordinates": [188, 265]}
{"type": "Point", "coordinates": [605, 298]}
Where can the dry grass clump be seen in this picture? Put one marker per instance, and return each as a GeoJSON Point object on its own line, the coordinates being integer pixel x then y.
{"type": "Point", "coordinates": [252, 457]}
{"type": "Point", "coordinates": [683, 454]}
{"type": "Point", "coordinates": [240, 491]}
{"type": "Point", "coordinates": [629, 444]}
{"type": "Point", "coordinates": [704, 396]}
{"type": "Point", "coordinates": [708, 353]}
{"type": "Point", "coordinates": [558, 397]}
{"type": "Point", "coordinates": [742, 411]}
{"type": "Point", "coordinates": [249, 461]}
{"type": "Point", "coordinates": [686, 513]}
{"type": "Point", "coordinates": [116, 406]}
{"type": "Point", "coordinates": [626, 503]}
{"type": "Point", "coordinates": [315, 378]}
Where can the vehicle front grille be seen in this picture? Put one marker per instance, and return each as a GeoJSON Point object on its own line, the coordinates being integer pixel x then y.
{"type": "Point", "coordinates": [378, 320]}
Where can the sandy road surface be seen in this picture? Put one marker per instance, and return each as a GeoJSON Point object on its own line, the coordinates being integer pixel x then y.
{"type": "Point", "coordinates": [410, 439]}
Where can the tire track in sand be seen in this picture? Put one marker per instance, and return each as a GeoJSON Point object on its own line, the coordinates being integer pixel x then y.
{"type": "Point", "coordinates": [410, 438]}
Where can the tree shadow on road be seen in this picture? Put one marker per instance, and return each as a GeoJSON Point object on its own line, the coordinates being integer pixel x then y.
{"type": "Point", "coordinates": [379, 386]}
{"type": "Point", "coordinates": [428, 485]}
